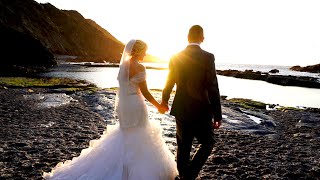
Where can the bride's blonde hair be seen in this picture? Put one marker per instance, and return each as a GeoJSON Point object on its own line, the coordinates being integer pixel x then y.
{"type": "Point", "coordinates": [138, 48]}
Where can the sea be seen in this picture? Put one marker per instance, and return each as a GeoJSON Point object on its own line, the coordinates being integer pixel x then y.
{"type": "Point", "coordinates": [291, 96]}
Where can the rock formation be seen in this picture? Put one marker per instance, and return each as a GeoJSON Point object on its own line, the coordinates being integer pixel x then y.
{"type": "Point", "coordinates": [311, 69]}
{"type": "Point", "coordinates": [60, 31]}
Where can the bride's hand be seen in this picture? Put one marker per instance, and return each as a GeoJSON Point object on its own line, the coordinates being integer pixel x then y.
{"type": "Point", "coordinates": [162, 108]}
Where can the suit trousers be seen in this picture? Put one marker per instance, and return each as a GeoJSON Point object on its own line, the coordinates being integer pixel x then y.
{"type": "Point", "coordinates": [187, 129]}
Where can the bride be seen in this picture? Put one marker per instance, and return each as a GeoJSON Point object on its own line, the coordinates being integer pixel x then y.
{"type": "Point", "coordinates": [133, 149]}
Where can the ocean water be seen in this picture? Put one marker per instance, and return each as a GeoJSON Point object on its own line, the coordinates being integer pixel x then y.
{"type": "Point", "coordinates": [106, 77]}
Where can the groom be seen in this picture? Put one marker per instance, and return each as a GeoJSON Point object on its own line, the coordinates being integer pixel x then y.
{"type": "Point", "coordinates": [196, 102]}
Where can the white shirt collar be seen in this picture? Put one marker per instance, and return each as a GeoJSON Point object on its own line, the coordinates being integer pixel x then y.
{"type": "Point", "coordinates": [196, 44]}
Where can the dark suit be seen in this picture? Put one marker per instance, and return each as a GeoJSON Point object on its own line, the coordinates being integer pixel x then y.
{"type": "Point", "coordinates": [196, 102]}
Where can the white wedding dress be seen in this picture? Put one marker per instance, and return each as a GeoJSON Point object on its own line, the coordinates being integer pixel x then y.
{"type": "Point", "coordinates": [131, 150]}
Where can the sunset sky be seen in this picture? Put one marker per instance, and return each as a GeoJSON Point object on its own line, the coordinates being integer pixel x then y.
{"type": "Point", "coordinates": [272, 32]}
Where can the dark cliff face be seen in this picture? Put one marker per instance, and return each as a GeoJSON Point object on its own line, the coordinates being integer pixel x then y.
{"type": "Point", "coordinates": [22, 49]}
{"type": "Point", "coordinates": [60, 31]}
{"type": "Point", "coordinates": [21, 54]}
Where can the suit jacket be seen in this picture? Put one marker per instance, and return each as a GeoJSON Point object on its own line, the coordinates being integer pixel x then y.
{"type": "Point", "coordinates": [197, 92]}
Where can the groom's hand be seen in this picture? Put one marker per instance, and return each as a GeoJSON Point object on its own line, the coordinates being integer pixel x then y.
{"type": "Point", "coordinates": [162, 109]}
{"type": "Point", "coordinates": [165, 105]}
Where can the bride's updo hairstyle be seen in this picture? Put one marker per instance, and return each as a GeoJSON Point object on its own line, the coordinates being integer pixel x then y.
{"type": "Point", "coordinates": [139, 48]}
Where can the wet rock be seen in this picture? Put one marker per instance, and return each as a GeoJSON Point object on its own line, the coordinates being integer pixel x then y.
{"type": "Point", "coordinates": [312, 69]}
{"type": "Point", "coordinates": [268, 123]}
{"type": "Point", "coordinates": [289, 80]}
{"type": "Point", "coordinates": [285, 80]}
{"type": "Point", "coordinates": [274, 71]}
{"type": "Point", "coordinates": [247, 74]}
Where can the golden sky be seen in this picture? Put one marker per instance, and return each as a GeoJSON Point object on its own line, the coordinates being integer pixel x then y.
{"type": "Point", "coordinates": [273, 32]}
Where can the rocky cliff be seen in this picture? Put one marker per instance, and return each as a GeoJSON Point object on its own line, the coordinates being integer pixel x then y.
{"type": "Point", "coordinates": [21, 54]}
{"type": "Point", "coordinates": [60, 31]}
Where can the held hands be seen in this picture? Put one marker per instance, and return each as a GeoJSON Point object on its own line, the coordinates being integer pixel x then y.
{"type": "Point", "coordinates": [162, 108]}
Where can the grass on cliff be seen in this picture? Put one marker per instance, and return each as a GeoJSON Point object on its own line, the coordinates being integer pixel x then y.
{"type": "Point", "coordinates": [251, 104]}
{"type": "Point", "coordinates": [248, 103]}
{"type": "Point", "coordinates": [286, 109]}
{"type": "Point", "coordinates": [33, 82]}
{"type": "Point", "coordinates": [66, 84]}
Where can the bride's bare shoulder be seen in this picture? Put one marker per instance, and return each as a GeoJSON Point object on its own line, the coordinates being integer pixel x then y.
{"type": "Point", "coordinates": [136, 68]}
{"type": "Point", "coordinates": [140, 68]}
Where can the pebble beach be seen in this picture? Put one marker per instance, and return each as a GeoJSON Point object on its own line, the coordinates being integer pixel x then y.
{"type": "Point", "coordinates": [41, 128]}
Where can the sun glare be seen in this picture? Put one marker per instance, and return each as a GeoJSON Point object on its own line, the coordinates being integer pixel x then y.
{"type": "Point", "coordinates": [164, 50]}
{"type": "Point", "coordinates": [163, 56]}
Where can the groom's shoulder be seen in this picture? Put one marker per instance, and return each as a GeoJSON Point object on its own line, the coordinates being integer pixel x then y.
{"type": "Point", "coordinates": [208, 55]}
{"type": "Point", "coordinates": [177, 55]}
{"type": "Point", "coordinates": [207, 52]}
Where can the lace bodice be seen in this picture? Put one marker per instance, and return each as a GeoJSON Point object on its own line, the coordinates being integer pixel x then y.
{"type": "Point", "coordinates": [132, 109]}
{"type": "Point", "coordinates": [134, 82]}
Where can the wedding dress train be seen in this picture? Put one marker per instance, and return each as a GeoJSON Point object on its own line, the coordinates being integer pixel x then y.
{"type": "Point", "coordinates": [121, 154]}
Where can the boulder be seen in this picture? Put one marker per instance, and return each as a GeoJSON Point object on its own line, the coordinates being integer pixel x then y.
{"type": "Point", "coordinates": [274, 71]}
{"type": "Point", "coordinates": [247, 74]}
{"type": "Point", "coordinates": [311, 69]}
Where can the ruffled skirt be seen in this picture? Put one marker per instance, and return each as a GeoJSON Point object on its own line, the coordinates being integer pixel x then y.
{"type": "Point", "coordinates": [137, 153]}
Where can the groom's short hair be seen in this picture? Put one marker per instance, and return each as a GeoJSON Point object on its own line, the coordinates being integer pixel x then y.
{"type": "Point", "coordinates": [195, 34]}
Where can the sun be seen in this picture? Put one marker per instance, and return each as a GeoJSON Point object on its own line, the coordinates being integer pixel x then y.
{"type": "Point", "coordinates": [154, 58]}
{"type": "Point", "coordinates": [157, 56]}
{"type": "Point", "coordinates": [161, 53]}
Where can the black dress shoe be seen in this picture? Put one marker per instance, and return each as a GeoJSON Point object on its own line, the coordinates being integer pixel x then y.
{"type": "Point", "coordinates": [179, 178]}
{"type": "Point", "coordinates": [184, 178]}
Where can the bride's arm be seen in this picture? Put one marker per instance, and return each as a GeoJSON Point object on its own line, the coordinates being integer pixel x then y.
{"type": "Point", "coordinates": [146, 93]}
